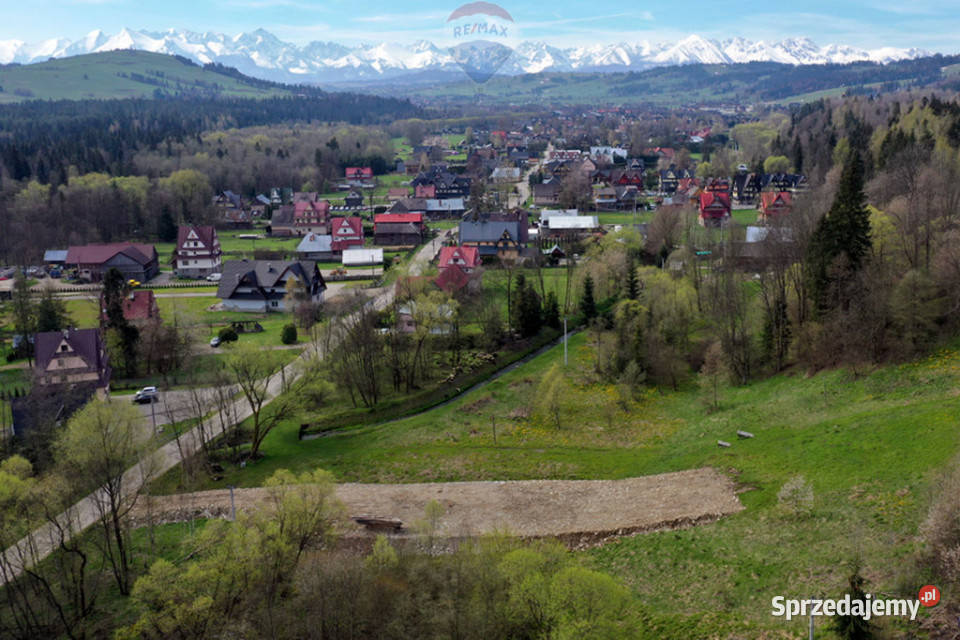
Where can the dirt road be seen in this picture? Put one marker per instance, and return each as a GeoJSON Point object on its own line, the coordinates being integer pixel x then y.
{"type": "Point", "coordinates": [578, 512]}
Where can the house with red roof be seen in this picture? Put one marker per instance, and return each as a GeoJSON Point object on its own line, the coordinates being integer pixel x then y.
{"type": "Point", "coordinates": [311, 217]}
{"type": "Point", "coordinates": [135, 261]}
{"type": "Point", "coordinates": [714, 208]}
{"type": "Point", "coordinates": [398, 229]}
{"type": "Point", "coordinates": [774, 204]}
{"type": "Point", "coordinates": [347, 233]}
{"type": "Point", "coordinates": [198, 252]}
{"type": "Point", "coordinates": [453, 279]}
{"type": "Point", "coordinates": [139, 308]}
{"type": "Point", "coordinates": [464, 258]}
{"type": "Point", "coordinates": [359, 176]}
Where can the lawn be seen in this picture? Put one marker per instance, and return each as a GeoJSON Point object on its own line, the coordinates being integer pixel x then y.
{"type": "Point", "coordinates": [870, 446]}
{"type": "Point", "coordinates": [625, 217]}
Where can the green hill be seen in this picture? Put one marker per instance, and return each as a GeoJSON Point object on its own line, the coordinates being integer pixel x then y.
{"type": "Point", "coordinates": [126, 74]}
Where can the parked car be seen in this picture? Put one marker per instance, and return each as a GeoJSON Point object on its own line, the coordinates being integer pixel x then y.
{"type": "Point", "coordinates": [147, 395]}
{"type": "Point", "coordinates": [215, 342]}
{"type": "Point", "coordinates": [214, 277]}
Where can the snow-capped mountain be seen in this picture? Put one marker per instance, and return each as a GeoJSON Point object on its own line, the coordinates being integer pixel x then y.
{"type": "Point", "coordinates": [263, 55]}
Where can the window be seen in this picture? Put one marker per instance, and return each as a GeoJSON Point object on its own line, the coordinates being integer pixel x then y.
{"type": "Point", "coordinates": [63, 347]}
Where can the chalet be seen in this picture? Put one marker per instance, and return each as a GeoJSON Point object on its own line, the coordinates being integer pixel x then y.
{"type": "Point", "coordinates": [564, 154]}
{"type": "Point", "coordinates": [397, 193]}
{"type": "Point", "coordinates": [520, 216]}
{"type": "Point", "coordinates": [714, 208]}
{"type": "Point", "coordinates": [235, 219]}
{"type": "Point", "coordinates": [135, 261]}
{"type": "Point", "coordinates": [347, 233]}
{"type": "Point", "coordinates": [354, 200]}
{"type": "Point", "coordinates": [445, 184]}
{"type": "Point", "coordinates": [359, 176]}
{"type": "Point", "coordinates": [784, 182]}
{"type": "Point", "coordinates": [140, 308]}
{"type": "Point", "coordinates": [669, 179]}
{"type": "Point", "coordinates": [198, 252]}
{"type": "Point", "coordinates": [492, 238]}
{"type": "Point", "coordinates": [746, 186]}
{"type": "Point", "coordinates": [547, 194]}
{"type": "Point", "coordinates": [315, 247]}
{"type": "Point", "coordinates": [425, 191]}
{"type": "Point", "coordinates": [311, 217]}
{"type": "Point", "coordinates": [262, 285]}
{"type": "Point", "coordinates": [605, 199]}
{"type": "Point", "coordinates": [228, 201]}
{"type": "Point", "coordinates": [465, 258]}
{"type": "Point", "coordinates": [775, 204]}
{"type": "Point", "coordinates": [71, 356]}
{"type": "Point", "coordinates": [304, 196]}
{"type": "Point", "coordinates": [282, 223]}
{"type": "Point", "coordinates": [398, 229]}
{"type": "Point", "coordinates": [628, 177]}
{"type": "Point", "coordinates": [454, 278]}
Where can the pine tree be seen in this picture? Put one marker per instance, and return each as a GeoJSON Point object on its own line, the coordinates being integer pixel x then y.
{"type": "Point", "coordinates": [851, 627]}
{"type": "Point", "coordinates": [551, 311]}
{"type": "Point", "coordinates": [633, 285]}
{"type": "Point", "coordinates": [588, 306]}
{"type": "Point", "coordinates": [842, 237]}
{"type": "Point", "coordinates": [51, 313]}
{"type": "Point", "coordinates": [166, 227]}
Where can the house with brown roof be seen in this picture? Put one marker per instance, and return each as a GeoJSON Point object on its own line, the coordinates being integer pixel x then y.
{"type": "Point", "coordinates": [71, 356]}
{"type": "Point", "coordinates": [135, 261]}
{"type": "Point", "coordinates": [198, 252]}
{"type": "Point", "coordinates": [714, 208]}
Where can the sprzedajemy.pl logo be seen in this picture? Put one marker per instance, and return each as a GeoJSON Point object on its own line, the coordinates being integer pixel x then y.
{"type": "Point", "coordinates": [866, 608]}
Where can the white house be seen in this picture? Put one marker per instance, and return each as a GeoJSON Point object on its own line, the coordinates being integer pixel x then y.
{"type": "Point", "coordinates": [198, 252]}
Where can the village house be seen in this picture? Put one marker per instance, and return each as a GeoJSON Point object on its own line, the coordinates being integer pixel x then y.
{"type": "Point", "coordinates": [262, 285]}
{"type": "Point", "coordinates": [140, 308]}
{"type": "Point", "coordinates": [315, 247]}
{"type": "Point", "coordinates": [397, 193]}
{"type": "Point", "coordinates": [198, 252]}
{"type": "Point", "coordinates": [775, 204]}
{"type": "Point", "coordinates": [547, 194]}
{"type": "Point", "coordinates": [398, 229]}
{"type": "Point", "coordinates": [492, 238]}
{"type": "Point", "coordinates": [311, 217]}
{"type": "Point", "coordinates": [282, 223]}
{"type": "Point", "coordinates": [570, 227]}
{"type": "Point", "coordinates": [466, 258]}
{"type": "Point", "coordinates": [714, 208]}
{"type": "Point", "coordinates": [505, 175]}
{"type": "Point", "coordinates": [347, 233]}
{"type": "Point", "coordinates": [135, 261]}
{"type": "Point", "coordinates": [71, 356]}
{"type": "Point", "coordinates": [353, 200]}
{"type": "Point", "coordinates": [359, 177]}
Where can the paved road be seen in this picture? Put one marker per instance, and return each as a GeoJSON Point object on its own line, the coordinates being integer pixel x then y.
{"type": "Point", "coordinates": [86, 512]}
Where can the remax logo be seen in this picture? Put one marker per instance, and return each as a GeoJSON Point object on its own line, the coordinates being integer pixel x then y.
{"type": "Point", "coordinates": [481, 37]}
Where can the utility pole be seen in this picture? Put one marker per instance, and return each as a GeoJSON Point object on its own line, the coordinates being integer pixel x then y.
{"type": "Point", "coordinates": [811, 618]}
{"type": "Point", "coordinates": [566, 360]}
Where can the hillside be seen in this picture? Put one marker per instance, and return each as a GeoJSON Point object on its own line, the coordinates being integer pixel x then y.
{"type": "Point", "coordinates": [697, 84]}
{"type": "Point", "coordinates": [126, 74]}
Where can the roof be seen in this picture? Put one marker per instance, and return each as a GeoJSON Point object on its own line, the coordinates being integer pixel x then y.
{"type": "Point", "coordinates": [452, 279]}
{"type": "Point", "coordinates": [55, 255]}
{"type": "Point", "coordinates": [573, 222]}
{"type": "Point", "coordinates": [769, 198]}
{"type": "Point", "coordinates": [469, 255]}
{"type": "Point", "coordinates": [140, 305]}
{"type": "Point", "coordinates": [352, 225]}
{"type": "Point", "coordinates": [313, 243]}
{"type": "Point", "coordinates": [85, 343]}
{"type": "Point", "coordinates": [397, 218]}
{"type": "Point", "coordinates": [354, 257]}
{"type": "Point", "coordinates": [100, 253]}
{"type": "Point", "coordinates": [450, 204]}
{"type": "Point", "coordinates": [265, 274]}
{"type": "Point", "coordinates": [488, 231]}
{"type": "Point", "coordinates": [206, 235]}
{"type": "Point", "coordinates": [711, 198]}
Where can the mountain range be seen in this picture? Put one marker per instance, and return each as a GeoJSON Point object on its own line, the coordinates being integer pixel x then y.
{"type": "Point", "coordinates": [260, 54]}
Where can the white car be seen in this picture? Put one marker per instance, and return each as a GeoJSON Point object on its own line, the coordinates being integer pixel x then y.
{"type": "Point", "coordinates": [214, 277]}
{"type": "Point", "coordinates": [147, 395]}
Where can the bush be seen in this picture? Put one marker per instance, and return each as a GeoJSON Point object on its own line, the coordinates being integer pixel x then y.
{"type": "Point", "coordinates": [289, 335]}
{"type": "Point", "coordinates": [227, 334]}
{"type": "Point", "coordinates": [796, 496]}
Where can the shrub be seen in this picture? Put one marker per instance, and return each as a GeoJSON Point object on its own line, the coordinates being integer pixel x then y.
{"type": "Point", "coordinates": [289, 335]}
{"type": "Point", "coordinates": [227, 334]}
{"type": "Point", "coordinates": [796, 496]}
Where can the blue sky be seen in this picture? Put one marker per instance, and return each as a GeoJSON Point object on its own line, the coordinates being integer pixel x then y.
{"type": "Point", "coordinates": [929, 24]}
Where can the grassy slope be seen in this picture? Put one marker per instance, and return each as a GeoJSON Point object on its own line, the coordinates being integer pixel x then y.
{"type": "Point", "coordinates": [870, 446]}
{"type": "Point", "coordinates": [95, 76]}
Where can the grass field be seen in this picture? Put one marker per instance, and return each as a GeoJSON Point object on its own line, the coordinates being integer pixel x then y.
{"type": "Point", "coordinates": [870, 446]}
{"type": "Point", "coordinates": [117, 74]}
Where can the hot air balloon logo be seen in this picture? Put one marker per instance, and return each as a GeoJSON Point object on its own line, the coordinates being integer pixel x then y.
{"type": "Point", "coordinates": [480, 37]}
